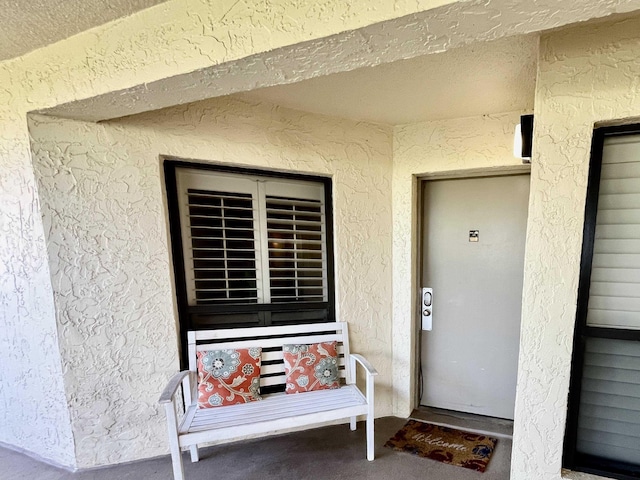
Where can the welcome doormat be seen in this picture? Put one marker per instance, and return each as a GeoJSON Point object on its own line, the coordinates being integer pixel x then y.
{"type": "Point", "coordinates": [444, 444]}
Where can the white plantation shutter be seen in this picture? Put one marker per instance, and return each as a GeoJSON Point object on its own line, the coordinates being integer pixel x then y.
{"type": "Point", "coordinates": [296, 242]}
{"type": "Point", "coordinates": [220, 239]}
{"type": "Point", "coordinates": [608, 422]}
{"type": "Point", "coordinates": [252, 239]}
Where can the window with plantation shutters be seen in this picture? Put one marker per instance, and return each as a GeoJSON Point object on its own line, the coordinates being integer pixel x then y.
{"type": "Point", "coordinates": [603, 428]}
{"type": "Point", "coordinates": [249, 249]}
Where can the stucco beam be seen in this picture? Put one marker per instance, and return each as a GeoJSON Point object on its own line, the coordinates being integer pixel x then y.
{"type": "Point", "coordinates": [427, 32]}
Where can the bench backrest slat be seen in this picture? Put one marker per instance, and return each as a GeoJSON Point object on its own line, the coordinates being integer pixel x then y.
{"type": "Point", "coordinates": [276, 356]}
{"type": "Point", "coordinates": [271, 339]}
{"type": "Point", "coordinates": [257, 332]}
{"type": "Point", "coordinates": [268, 342]}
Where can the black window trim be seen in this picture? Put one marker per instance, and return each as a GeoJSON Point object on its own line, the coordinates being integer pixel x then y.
{"type": "Point", "coordinates": [572, 459]}
{"type": "Point", "coordinates": [170, 164]}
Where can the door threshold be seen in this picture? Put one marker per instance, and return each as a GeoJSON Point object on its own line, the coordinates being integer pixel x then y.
{"type": "Point", "coordinates": [468, 422]}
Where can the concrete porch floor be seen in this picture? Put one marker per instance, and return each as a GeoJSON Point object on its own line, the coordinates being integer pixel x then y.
{"type": "Point", "coordinates": [325, 453]}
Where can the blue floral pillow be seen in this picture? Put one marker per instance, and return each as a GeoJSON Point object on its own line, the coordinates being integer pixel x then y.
{"type": "Point", "coordinates": [227, 377]}
{"type": "Point", "coordinates": [311, 367]}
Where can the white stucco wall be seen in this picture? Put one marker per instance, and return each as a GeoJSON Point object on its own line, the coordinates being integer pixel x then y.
{"type": "Point", "coordinates": [586, 75]}
{"type": "Point", "coordinates": [425, 148]}
{"type": "Point", "coordinates": [104, 215]}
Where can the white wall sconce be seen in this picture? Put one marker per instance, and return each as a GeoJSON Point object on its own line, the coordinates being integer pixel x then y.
{"type": "Point", "coordinates": [523, 139]}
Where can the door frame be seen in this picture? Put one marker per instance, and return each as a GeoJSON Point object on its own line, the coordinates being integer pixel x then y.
{"type": "Point", "coordinates": [501, 171]}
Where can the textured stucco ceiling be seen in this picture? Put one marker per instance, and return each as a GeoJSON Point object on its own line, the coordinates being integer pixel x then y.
{"type": "Point", "coordinates": [428, 32]}
{"type": "Point", "coordinates": [26, 25]}
{"type": "Point", "coordinates": [477, 79]}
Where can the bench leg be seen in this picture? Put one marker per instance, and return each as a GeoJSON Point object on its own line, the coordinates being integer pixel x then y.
{"type": "Point", "coordinates": [352, 424]}
{"type": "Point", "coordinates": [174, 443]}
{"type": "Point", "coordinates": [176, 460]}
{"type": "Point", "coordinates": [194, 453]}
{"type": "Point", "coordinates": [370, 436]}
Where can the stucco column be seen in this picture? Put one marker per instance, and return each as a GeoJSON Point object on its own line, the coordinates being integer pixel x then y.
{"type": "Point", "coordinates": [586, 75]}
{"type": "Point", "coordinates": [33, 405]}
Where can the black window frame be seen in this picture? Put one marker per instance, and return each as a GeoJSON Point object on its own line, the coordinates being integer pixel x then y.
{"type": "Point", "coordinates": [572, 459]}
{"type": "Point", "coordinates": [191, 317]}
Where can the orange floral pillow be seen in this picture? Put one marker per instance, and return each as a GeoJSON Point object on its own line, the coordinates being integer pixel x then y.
{"type": "Point", "coordinates": [311, 367]}
{"type": "Point", "coordinates": [227, 377]}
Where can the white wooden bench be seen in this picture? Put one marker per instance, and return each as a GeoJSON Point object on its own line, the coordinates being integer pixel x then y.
{"type": "Point", "coordinates": [277, 411]}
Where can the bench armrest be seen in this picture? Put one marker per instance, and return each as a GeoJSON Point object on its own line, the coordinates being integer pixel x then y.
{"type": "Point", "coordinates": [365, 363]}
{"type": "Point", "coordinates": [172, 386]}
{"type": "Point", "coordinates": [371, 373]}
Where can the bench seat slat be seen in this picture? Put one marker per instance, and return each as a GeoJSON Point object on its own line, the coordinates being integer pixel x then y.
{"type": "Point", "coordinates": [274, 406]}
{"type": "Point", "coordinates": [270, 426]}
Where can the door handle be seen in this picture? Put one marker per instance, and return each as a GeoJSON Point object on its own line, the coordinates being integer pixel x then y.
{"type": "Point", "coordinates": [427, 297]}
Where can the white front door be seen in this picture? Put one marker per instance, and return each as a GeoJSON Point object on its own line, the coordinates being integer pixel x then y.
{"type": "Point", "coordinates": [470, 357]}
